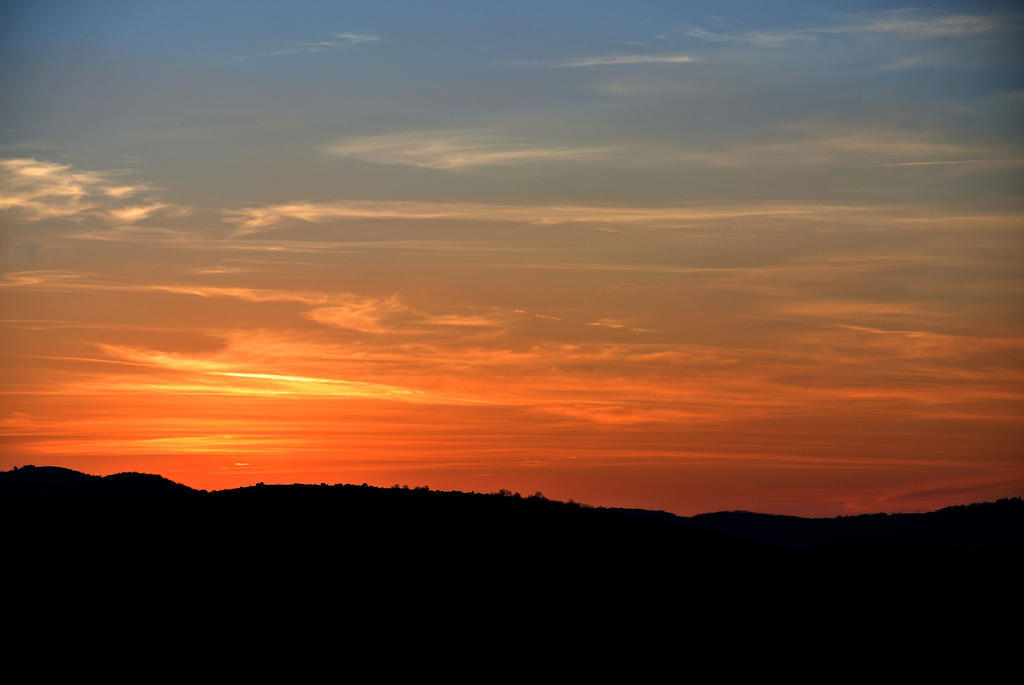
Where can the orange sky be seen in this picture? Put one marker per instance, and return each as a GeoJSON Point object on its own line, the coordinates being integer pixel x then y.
{"type": "Point", "coordinates": [819, 317]}
{"type": "Point", "coordinates": [792, 386]}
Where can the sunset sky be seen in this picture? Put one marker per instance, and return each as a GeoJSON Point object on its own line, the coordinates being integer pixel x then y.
{"type": "Point", "coordinates": [689, 256]}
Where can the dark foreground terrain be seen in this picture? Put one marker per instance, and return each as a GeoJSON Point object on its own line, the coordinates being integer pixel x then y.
{"type": "Point", "coordinates": [301, 550]}
{"type": "Point", "coordinates": [131, 508]}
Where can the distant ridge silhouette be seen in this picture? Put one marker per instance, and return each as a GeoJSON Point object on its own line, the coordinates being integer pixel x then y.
{"type": "Point", "coordinates": [990, 527]}
{"type": "Point", "coordinates": [292, 556]}
{"type": "Point", "coordinates": [56, 480]}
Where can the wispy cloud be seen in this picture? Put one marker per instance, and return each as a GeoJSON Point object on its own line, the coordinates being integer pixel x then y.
{"type": "Point", "coordinates": [810, 147]}
{"type": "Point", "coordinates": [255, 219]}
{"type": "Point", "coordinates": [924, 24]}
{"type": "Point", "coordinates": [796, 145]}
{"type": "Point", "coordinates": [612, 60]}
{"type": "Point", "coordinates": [329, 44]}
{"type": "Point", "coordinates": [761, 39]}
{"type": "Point", "coordinates": [615, 324]}
{"type": "Point", "coordinates": [456, 150]}
{"type": "Point", "coordinates": [348, 311]}
{"type": "Point", "coordinates": [363, 314]}
{"type": "Point", "coordinates": [132, 213]}
{"type": "Point", "coordinates": [194, 374]}
{"type": "Point", "coordinates": [356, 38]}
{"type": "Point", "coordinates": [912, 24]}
{"type": "Point", "coordinates": [392, 315]}
{"type": "Point", "coordinates": [34, 190]}
{"type": "Point", "coordinates": [997, 162]}
{"type": "Point", "coordinates": [41, 190]}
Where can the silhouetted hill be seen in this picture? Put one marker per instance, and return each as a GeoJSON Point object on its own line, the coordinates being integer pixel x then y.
{"type": "Point", "coordinates": [54, 480]}
{"type": "Point", "coordinates": [982, 526]}
{"type": "Point", "coordinates": [278, 549]}
{"type": "Point", "coordinates": [478, 520]}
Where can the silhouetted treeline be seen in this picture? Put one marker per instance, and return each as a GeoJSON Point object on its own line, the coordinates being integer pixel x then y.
{"type": "Point", "coordinates": [287, 560]}
{"type": "Point", "coordinates": [48, 496]}
{"type": "Point", "coordinates": [275, 549]}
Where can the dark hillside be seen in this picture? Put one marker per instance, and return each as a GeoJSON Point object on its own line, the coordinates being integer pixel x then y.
{"type": "Point", "coordinates": [62, 519]}
{"type": "Point", "coordinates": [54, 480]}
{"type": "Point", "coordinates": [973, 527]}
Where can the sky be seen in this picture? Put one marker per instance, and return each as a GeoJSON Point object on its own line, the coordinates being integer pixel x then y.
{"type": "Point", "coordinates": [685, 256]}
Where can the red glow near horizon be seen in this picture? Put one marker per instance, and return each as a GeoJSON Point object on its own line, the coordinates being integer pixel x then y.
{"type": "Point", "coordinates": [627, 255]}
